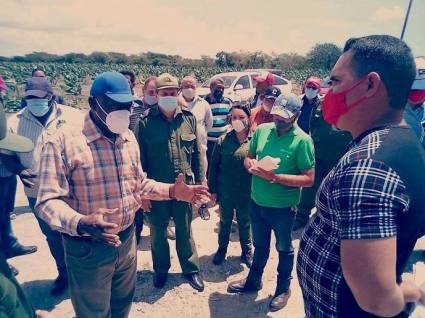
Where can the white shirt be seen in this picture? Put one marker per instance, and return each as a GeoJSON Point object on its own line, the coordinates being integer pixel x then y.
{"type": "Point", "coordinates": [200, 108]}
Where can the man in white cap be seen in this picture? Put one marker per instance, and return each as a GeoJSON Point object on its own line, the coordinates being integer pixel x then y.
{"type": "Point", "coordinates": [275, 194]}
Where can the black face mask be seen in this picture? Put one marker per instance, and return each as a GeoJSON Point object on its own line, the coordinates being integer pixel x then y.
{"type": "Point", "coordinates": [218, 94]}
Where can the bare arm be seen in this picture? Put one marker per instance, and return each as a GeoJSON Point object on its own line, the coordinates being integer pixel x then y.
{"type": "Point", "coordinates": [369, 267]}
{"type": "Point", "coordinates": [305, 179]}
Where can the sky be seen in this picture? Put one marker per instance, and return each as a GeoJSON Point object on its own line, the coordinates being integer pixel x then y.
{"type": "Point", "coordinates": [192, 28]}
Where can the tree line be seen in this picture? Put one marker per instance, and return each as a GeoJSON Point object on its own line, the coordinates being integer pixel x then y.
{"type": "Point", "coordinates": [321, 56]}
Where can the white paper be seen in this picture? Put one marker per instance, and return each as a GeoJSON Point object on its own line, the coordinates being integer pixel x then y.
{"type": "Point", "coordinates": [267, 163]}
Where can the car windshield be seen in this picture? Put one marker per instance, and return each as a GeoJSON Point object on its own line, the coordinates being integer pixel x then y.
{"type": "Point", "coordinates": [228, 80]}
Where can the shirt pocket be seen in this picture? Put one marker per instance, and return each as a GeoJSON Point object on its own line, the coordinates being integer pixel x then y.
{"type": "Point", "coordinates": [287, 161]}
{"type": "Point", "coordinates": [187, 142]}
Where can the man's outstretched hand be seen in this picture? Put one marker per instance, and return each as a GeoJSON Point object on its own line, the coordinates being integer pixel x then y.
{"type": "Point", "coordinates": [195, 194]}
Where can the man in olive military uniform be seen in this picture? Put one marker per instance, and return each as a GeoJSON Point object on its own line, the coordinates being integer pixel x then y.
{"type": "Point", "coordinates": [330, 144]}
{"type": "Point", "coordinates": [168, 147]}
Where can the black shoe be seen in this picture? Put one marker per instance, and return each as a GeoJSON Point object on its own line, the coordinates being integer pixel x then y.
{"type": "Point", "coordinates": [19, 250]}
{"type": "Point", "coordinates": [204, 213]}
{"type": "Point", "coordinates": [219, 256]}
{"type": "Point", "coordinates": [14, 270]}
{"type": "Point", "coordinates": [298, 225]}
{"type": "Point", "coordinates": [246, 257]}
{"type": "Point", "coordinates": [280, 301]}
{"type": "Point", "coordinates": [245, 286]}
{"type": "Point", "coordinates": [60, 285]}
{"type": "Point", "coordinates": [195, 281]}
{"type": "Point", "coordinates": [170, 233]}
{"type": "Point", "coordinates": [159, 280]}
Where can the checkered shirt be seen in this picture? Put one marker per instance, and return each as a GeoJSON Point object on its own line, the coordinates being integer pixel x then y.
{"type": "Point", "coordinates": [82, 171]}
{"type": "Point", "coordinates": [360, 198]}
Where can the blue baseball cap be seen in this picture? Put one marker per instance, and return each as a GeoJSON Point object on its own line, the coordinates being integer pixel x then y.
{"type": "Point", "coordinates": [114, 85]}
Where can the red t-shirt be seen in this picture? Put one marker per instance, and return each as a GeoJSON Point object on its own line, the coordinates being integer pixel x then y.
{"type": "Point", "coordinates": [258, 117]}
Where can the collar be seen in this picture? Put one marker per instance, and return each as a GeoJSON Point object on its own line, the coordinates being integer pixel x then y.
{"type": "Point", "coordinates": [56, 113]}
{"type": "Point", "coordinates": [248, 138]}
{"type": "Point", "coordinates": [367, 132]}
{"type": "Point", "coordinates": [314, 100]}
{"type": "Point", "coordinates": [92, 132]}
{"type": "Point", "coordinates": [292, 132]}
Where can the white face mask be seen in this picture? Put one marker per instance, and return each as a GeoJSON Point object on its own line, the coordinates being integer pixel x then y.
{"type": "Point", "coordinates": [188, 93]}
{"type": "Point", "coordinates": [239, 125]}
{"type": "Point", "coordinates": [311, 93]}
{"type": "Point", "coordinates": [167, 103]}
{"type": "Point", "coordinates": [116, 121]}
{"type": "Point", "coordinates": [150, 100]}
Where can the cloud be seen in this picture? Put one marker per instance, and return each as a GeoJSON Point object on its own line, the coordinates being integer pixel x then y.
{"type": "Point", "coordinates": [190, 28]}
{"type": "Point", "coordinates": [384, 14]}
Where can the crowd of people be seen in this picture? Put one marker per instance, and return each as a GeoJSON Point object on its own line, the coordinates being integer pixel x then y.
{"type": "Point", "coordinates": [92, 180]}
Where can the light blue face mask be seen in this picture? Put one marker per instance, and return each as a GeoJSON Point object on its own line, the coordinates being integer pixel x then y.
{"type": "Point", "coordinates": [38, 106]}
{"type": "Point", "coordinates": [311, 93]}
{"type": "Point", "coordinates": [168, 103]}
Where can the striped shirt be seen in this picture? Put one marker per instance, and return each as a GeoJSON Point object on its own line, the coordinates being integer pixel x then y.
{"type": "Point", "coordinates": [220, 112]}
{"type": "Point", "coordinates": [138, 110]}
{"type": "Point", "coordinates": [82, 171]}
{"type": "Point", "coordinates": [25, 124]}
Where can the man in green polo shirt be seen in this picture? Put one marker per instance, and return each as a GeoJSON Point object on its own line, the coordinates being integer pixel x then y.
{"type": "Point", "coordinates": [276, 192]}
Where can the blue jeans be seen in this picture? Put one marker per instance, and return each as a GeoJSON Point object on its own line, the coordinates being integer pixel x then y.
{"type": "Point", "coordinates": [7, 204]}
{"type": "Point", "coordinates": [264, 220]}
{"type": "Point", "coordinates": [54, 240]}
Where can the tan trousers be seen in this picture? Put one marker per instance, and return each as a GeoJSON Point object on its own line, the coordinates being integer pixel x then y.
{"type": "Point", "coordinates": [102, 278]}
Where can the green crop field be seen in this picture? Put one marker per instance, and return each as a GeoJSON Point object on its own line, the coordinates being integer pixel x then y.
{"type": "Point", "coordinates": [72, 79]}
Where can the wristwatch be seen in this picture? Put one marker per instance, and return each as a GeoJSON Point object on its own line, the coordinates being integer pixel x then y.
{"type": "Point", "coordinates": [274, 180]}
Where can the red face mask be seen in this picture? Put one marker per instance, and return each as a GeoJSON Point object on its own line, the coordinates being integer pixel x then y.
{"type": "Point", "coordinates": [334, 104]}
{"type": "Point", "coordinates": [416, 97]}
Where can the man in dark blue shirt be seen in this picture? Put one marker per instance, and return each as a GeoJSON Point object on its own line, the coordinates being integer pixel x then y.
{"type": "Point", "coordinates": [310, 100]}
{"type": "Point", "coordinates": [370, 207]}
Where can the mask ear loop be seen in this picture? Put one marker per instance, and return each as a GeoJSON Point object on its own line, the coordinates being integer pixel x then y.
{"type": "Point", "coordinates": [362, 98]}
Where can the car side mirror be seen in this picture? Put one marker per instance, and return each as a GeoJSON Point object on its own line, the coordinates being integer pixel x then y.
{"type": "Point", "coordinates": [238, 87]}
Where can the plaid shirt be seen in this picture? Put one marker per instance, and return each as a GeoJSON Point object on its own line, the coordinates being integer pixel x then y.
{"type": "Point", "coordinates": [82, 171]}
{"type": "Point", "coordinates": [361, 198]}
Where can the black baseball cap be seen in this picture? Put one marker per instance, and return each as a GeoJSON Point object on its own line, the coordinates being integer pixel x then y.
{"type": "Point", "coordinates": [272, 92]}
{"type": "Point", "coordinates": [38, 87]}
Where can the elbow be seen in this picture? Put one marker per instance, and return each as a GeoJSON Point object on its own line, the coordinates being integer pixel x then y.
{"type": "Point", "coordinates": [309, 183]}
{"type": "Point", "coordinates": [382, 303]}
{"type": "Point", "coordinates": [377, 307]}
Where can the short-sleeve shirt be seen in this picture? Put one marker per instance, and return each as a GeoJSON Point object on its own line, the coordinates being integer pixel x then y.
{"type": "Point", "coordinates": [296, 152]}
{"type": "Point", "coordinates": [220, 112]}
{"type": "Point", "coordinates": [371, 193]}
{"type": "Point", "coordinates": [258, 117]}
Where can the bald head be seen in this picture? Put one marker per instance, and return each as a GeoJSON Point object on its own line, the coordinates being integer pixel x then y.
{"type": "Point", "coordinates": [189, 81]}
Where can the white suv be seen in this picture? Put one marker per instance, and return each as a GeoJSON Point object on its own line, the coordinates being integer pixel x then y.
{"type": "Point", "coordinates": [240, 86]}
